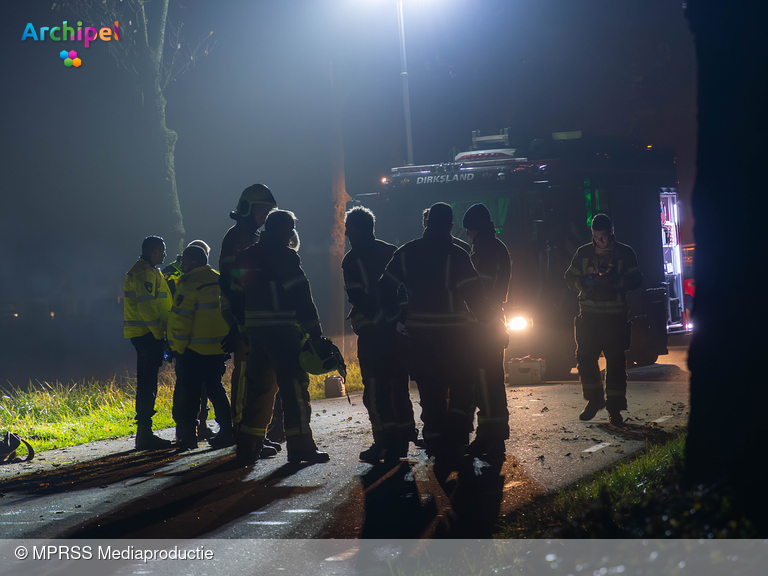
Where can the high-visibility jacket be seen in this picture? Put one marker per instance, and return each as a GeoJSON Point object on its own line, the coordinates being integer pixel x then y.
{"type": "Point", "coordinates": [277, 291]}
{"type": "Point", "coordinates": [172, 273]}
{"type": "Point", "coordinates": [362, 267]}
{"type": "Point", "coordinates": [610, 295]}
{"type": "Point", "coordinates": [238, 238]}
{"type": "Point", "coordinates": [490, 258]}
{"type": "Point", "coordinates": [147, 301]}
{"type": "Point", "coordinates": [440, 283]}
{"type": "Point", "coordinates": [195, 321]}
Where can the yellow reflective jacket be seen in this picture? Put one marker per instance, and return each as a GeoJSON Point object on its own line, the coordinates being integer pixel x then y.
{"type": "Point", "coordinates": [147, 301]}
{"type": "Point", "coordinates": [195, 320]}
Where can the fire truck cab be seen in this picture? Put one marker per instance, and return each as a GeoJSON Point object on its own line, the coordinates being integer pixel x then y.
{"type": "Point", "coordinates": [542, 200]}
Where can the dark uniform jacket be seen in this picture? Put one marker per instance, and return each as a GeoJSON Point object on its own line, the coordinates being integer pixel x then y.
{"type": "Point", "coordinates": [238, 238]}
{"type": "Point", "coordinates": [610, 295]}
{"type": "Point", "coordinates": [490, 258]}
{"type": "Point", "coordinates": [440, 283]}
{"type": "Point", "coordinates": [362, 268]}
{"type": "Point", "coordinates": [276, 289]}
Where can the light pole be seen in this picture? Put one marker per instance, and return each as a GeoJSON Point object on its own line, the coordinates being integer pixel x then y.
{"type": "Point", "coordinates": [404, 76]}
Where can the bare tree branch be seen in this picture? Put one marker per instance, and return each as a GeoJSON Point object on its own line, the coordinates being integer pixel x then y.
{"type": "Point", "coordinates": [135, 35]}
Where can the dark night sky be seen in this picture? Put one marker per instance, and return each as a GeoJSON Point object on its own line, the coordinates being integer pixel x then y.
{"type": "Point", "coordinates": [260, 108]}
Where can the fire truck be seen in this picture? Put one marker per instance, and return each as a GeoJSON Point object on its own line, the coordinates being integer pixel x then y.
{"type": "Point", "coordinates": [542, 199]}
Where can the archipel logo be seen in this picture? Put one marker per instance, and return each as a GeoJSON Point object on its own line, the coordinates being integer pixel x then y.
{"type": "Point", "coordinates": [63, 33]}
{"type": "Point", "coordinates": [70, 58]}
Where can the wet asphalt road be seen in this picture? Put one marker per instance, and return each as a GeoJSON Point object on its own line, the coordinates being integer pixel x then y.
{"type": "Point", "coordinates": [106, 490]}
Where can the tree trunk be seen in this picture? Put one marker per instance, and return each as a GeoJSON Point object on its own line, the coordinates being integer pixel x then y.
{"type": "Point", "coordinates": [729, 394]}
{"type": "Point", "coordinates": [338, 240]}
{"type": "Point", "coordinates": [339, 197]}
{"type": "Point", "coordinates": [152, 22]}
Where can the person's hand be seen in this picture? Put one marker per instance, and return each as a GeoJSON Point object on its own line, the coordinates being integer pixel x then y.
{"type": "Point", "coordinates": [591, 280]}
{"type": "Point", "coordinates": [231, 340]}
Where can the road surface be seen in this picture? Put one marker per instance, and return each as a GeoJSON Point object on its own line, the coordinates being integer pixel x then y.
{"type": "Point", "coordinates": [106, 490]}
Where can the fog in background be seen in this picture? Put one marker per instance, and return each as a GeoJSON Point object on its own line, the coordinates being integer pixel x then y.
{"type": "Point", "coordinates": [264, 106]}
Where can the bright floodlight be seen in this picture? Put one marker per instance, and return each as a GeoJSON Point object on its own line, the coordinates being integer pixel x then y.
{"type": "Point", "coordinates": [517, 323]}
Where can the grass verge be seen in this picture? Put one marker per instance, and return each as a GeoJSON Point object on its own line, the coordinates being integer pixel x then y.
{"type": "Point", "coordinates": [642, 497]}
{"type": "Point", "coordinates": [55, 415]}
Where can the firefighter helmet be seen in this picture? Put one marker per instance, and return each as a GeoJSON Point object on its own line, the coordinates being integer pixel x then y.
{"type": "Point", "coordinates": [258, 194]}
{"type": "Point", "coordinates": [321, 357]}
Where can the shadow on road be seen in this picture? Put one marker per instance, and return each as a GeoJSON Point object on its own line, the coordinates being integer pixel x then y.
{"type": "Point", "coordinates": [406, 501]}
{"type": "Point", "coordinates": [204, 500]}
{"type": "Point", "coordinates": [94, 473]}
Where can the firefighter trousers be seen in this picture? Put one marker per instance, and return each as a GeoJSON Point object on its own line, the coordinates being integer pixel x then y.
{"type": "Point", "coordinates": [490, 390]}
{"type": "Point", "coordinates": [609, 334]}
{"type": "Point", "coordinates": [438, 362]}
{"type": "Point", "coordinates": [382, 354]}
{"type": "Point", "coordinates": [198, 372]}
{"type": "Point", "coordinates": [253, 394]}
{"type": "Point", "coordinates": [149, 358]}
{"type": "Point", "coordinates": [273, 364]}
{"type": "Point", "coordinates": [250, 415]}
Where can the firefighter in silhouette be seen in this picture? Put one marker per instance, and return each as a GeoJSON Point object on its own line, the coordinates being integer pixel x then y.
{"type": "Point", "coordinates": [255, 203]}
{"type": "Point", "coordinates": [278, 312]}
{"type": "Point", "coordinates": [195, 332]}
{"type": "Point", "coordinates": [602, 272]}
{"type": "Point", "coordinates": [442, 288]}
{"type": "Point", "coordinates": [146, 307]}
{"type": "Point", "coordinates": [458, 241]}
{"type": "Point", "coordinates": [381, 349]}
{"type": "Point", "coordinates": [490, 258]}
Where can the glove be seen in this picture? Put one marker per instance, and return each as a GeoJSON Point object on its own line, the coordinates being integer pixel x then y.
{"type": "Point", "coordinates": [231, 340]}
{"type": "Point", "coordinates": [590, 281]}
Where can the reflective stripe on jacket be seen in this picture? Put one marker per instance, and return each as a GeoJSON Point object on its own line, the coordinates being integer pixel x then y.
{"type": "Point", "coordinates": [610, 296]}
{"type": "Point", "coordinates": [147, 301]}
{"type": "Point", "coordinates": [195, 321]}
{"type": "Point", "coordinates": [440, 283]}
{"type": "Point", "coordinates": [276, 289]}
{"type": "Point", "coordinates": [362, 267]}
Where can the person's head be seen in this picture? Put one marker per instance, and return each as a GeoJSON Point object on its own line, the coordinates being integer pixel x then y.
{"type": "Point", "coordinates": [425, 217]}
{"type": "Point", "coordinates": [281, 225]}
{"type": "Point", "coordinates": [153, 250]}
{"type": "Point", "coordinates": [477, 219]}
{"type": "Point", "coordinates": [193, 257]}
{"type": "Point", "coordinates": [359, 223]}
{"type": "Point", "coordinates": [255, 204]}
{"type": "Point", "coordinates": [201, 244]}
{"type": "Point", "coordinates": [440, 218]}
{"type": "Point", "coordinates": [602, 231]}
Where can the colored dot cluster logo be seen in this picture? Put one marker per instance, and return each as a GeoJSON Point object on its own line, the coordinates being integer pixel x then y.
{"type": "Point", "coordinates": [70, 58]}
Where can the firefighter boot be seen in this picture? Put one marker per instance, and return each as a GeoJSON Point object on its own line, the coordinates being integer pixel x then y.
{"type": "Point", "coordinates": [275, 445]}
{"type": "Point", "coordinates": [592, 408]}
{"type": "Point", "coordinates": [250, 449]}
{"type": "Point", "coordinates": [396, 450]}
{"type": "Point", "coordinates": [615, 418]}
{"type": "Point", "coordinates": [223, 438]}
{"type": "Point", "coordinates": [145, 440]}
{"type": "Point", "coordinates": [186, 437]}
{"type": "Point", "coordinates": [302, 448]}
{"type": "Point", "coordinates": [372, 455]}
